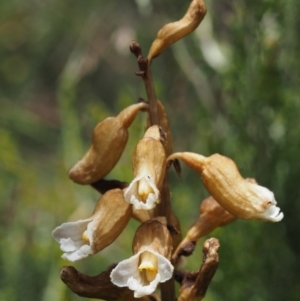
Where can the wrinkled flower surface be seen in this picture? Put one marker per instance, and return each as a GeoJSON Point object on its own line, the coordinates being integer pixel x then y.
{"type": "Point", "coordinates": [75, 239]}
{"type": "Point", "coordinates": [142, 193]}
{"type": "Point", "coordinates": [240, 197]}
{"type": "Point", "coordinates": [142, 272]}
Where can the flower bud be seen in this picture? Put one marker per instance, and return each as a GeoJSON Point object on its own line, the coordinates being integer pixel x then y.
{"type": "Point", "coordinates": [109, 140]}
{"type": "Point", "coordinates": [172, 32]}
{"type": "Point", "coordinates": [238, 196]}
{"type": "Point", "coordinates": [212, 215]}
{"type": "Point", "coordinates": [152, 246]}
{"type": "Point", "coordinates": [149, 165]}
{"type": "Point", "coordinates": [86, 237]}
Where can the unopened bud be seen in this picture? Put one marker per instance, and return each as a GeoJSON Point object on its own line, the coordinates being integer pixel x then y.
{"type": "Point", "coordinates": [109, 140]}
{"type": "Point", "coordinates": [172, 32]}
{"type": "Point", "coordinates": [238, 196]}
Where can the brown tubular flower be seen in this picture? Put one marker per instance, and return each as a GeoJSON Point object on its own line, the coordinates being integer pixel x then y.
{"type": "Point", "coordinates": [149, 165]}
{"type": "Point", "coordinates": [109, 140]}
{"type": "Point", "coordinates": [238, 196]}
{"type": "Point", "coordinates": [172, 32]}
{"type": "Point", "coordinates": [86, 237]}
{"type": "Point", "coordinates": [212, 215]}
{"type": "Point", "coordinates": [150, 265]}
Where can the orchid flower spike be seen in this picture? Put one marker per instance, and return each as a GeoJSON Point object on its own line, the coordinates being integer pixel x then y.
{"type": "Point", "coordinates": [86, 237]}
{"type": "Point", "coordinates": [150, 264]}
{"type": "Point", "coordinates": [238, 196]}
{"type": "Point", "coordinates": [149, 166]}
{"type": "Point", "coordinates": [109, 140]}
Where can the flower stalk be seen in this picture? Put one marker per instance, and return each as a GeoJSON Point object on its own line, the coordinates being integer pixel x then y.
{"type": "Point", "coordinates": [157, 244]}
{"type": "Point", "coordinates": [146, 75]}
{"type": "Point", "coordinates": [163, 209]}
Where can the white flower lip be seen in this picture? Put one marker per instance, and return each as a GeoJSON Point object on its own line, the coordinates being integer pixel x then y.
{"type": "Point", "coordinates": [69, 236]}
{"type": "Point", "coordinates": [127, 273]}
{"type": "Point", "coordinates": [272, 212]}
{"type": "Point", "coordinates": [132, 196]}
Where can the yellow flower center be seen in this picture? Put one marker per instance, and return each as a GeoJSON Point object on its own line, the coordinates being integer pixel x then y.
{"type": "Point", "coordinates": [144, 189]}
{"type": "Point", "coordinates": [85, 237]}
{"type": "Point", "coordinates": [148, 265]}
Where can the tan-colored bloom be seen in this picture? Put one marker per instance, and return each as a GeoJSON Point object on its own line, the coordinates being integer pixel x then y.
{"type": "Point", "coordinates": [212, 215]}
{"type": "Point", "coordinates": [88, 236]}
{"type": "Point", "coordinates": [238, 196]}
{"type": "Point", "coordinates": [150, 264]}
{"type": "Point", "coordinates": [172, 32]}
{"type": "Point", "coordinates": [109, 140]}
{"type": "Point", "coordinates": [149, 165]}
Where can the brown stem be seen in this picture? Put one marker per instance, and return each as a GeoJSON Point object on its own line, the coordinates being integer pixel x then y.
{"type": "Point", "coordinates": [167, 290]}
{"type": "Point", "coordinates": [164, 209]}
{"type": "Point", "coordinates": [146, 75]}
{"type": "Point", "coordinates": [98, 287]}
{"type": "Point", "coordinates": [195, 285]}
{"type": "Point", "coordinates": [149, 86]}
{"type": "Point", "coordinates": [103, 185]}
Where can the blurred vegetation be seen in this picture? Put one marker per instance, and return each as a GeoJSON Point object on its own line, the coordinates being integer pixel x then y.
{"type": "Point", "coordinates": [231, 87]}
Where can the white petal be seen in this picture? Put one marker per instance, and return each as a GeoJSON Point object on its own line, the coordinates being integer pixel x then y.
{"type": "Point", "coordinates": [272, 214]}
{"type": "Point", "coordinates": [80, 253]}
{"type": "Point", "coordinates": [67, 245]}
{"type": "Point", "coordinates": [131, 195]}
{"type": "Point", "coordinates": [73, 230]}
{"type": "Point", "coordinates": [140, 290]}
{"type": "Point", "coordinates": [125, 270]}
{"type": "Point", "coordinates": [140, 205]}
{"type": "Point", "coordinates": [264, 193]}
{"type": "Point", "coordinates": [69, 235]}
{"type": "Point", "coordinates": [131, 189]}
{"type": "Point", "coordinates": [127, 273]}
{"type": "Point", "coordinates": [165, 268]}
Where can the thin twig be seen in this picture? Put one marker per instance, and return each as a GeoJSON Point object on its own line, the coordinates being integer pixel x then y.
{"type": "Point", "coordinates": [146, 75]}
{"type": "Point", "coordinates": [103, 185]}
{"type": "Point", "coordinates": [194, 285]}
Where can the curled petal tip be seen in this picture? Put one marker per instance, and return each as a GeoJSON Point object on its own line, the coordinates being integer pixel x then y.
{"type": "Point", "coordinates": [145, 201]}
{"type": "Point", "coordinates": [272, 214]}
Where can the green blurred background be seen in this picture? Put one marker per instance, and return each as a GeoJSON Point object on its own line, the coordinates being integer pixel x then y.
{"type": "Point", "coordinates": [231, 87]}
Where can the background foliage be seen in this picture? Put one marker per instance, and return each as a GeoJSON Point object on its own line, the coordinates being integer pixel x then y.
{"type": "Point", "coordinates": [232, 87]}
